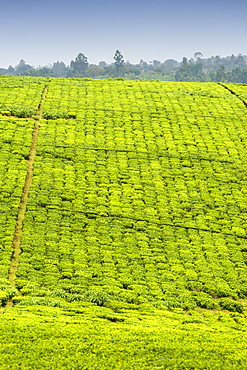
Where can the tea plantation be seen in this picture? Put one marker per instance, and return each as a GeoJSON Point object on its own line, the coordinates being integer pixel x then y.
{"type": "Point", "coordinates": [123, 224]}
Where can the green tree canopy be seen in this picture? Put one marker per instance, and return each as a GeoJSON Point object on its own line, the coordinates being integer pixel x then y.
{"type": "Point", "coordinates": [79, 66]}
{"type": "Point", "coordinates": [119, 62]}
{"type": "Point", "coordinates": [190, 72]}
{"type": "Point", "coordinates": [221, 75]}
{"type": "Point", "coordinates": [59, 69]}
{"type": "Point", "coordinates": [22, 67]}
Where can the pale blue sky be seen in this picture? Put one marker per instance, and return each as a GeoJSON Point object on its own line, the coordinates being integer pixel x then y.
{"type": "Point", "coordinates": [46, 31]}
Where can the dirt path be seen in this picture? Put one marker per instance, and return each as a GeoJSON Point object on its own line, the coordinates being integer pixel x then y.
{"type": "Point", "coordinates": [16, 244]}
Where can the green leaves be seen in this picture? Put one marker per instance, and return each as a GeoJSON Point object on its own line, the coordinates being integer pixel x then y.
{"type": "Point", "coordinates": [138, 190]}
{"type": "Point", "coordinates": [6, 291]}
{"type": "Point", "coordinates": [136, 218]}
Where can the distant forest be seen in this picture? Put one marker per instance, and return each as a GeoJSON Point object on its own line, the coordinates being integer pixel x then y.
{"type": "Point", "coordinates": [215, 69]}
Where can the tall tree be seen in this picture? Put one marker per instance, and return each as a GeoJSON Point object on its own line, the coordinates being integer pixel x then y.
{"type": "Point", "coordinates": [119, 62]}
{"type": "Point", "coordinates": [240, 62]}
{"type": "Point", "coordinates": [79, 66]}
{"type": "Point", "coordinates": [185, 61]}
{"type": "Point", "coordinates": [198, 55]}
{"type": "Point", "coordinates": [11, 70]}
{"type": "Point", "coordinates": [22, 67]}
{"type": "Point", "coordinates": [59, 69]}
{"type": "Point", "coordinates": [221, 75]}
{"type": "Point", "coordinates": [102, 64]}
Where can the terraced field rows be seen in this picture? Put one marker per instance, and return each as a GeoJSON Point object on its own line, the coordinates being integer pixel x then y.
{"type": "Point", "coordinates": [15, 143]}
{"type": "Point", "coordinates": [16, 244]}
{"type": "Point", "coordinates": [21, 98]}
{"type": "Point", "coordinates": [138, 197]}
{"type": "Point", "coordinates": [133, 236]}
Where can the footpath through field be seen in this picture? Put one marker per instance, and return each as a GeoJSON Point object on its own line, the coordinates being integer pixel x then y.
{"type": "Point", "coordinates": [16, 245]}
{"type": "Point", "coordinates": [124, 203]}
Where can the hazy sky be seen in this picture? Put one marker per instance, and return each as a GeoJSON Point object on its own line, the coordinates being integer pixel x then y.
{"type": "Point", "coordinates": [45, 31]}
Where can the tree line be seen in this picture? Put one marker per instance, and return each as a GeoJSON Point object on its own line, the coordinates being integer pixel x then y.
{"type": "Point", "coordinates": [216, 69]}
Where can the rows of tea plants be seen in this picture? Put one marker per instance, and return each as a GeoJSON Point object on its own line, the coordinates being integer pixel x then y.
{"type": "Point", "coordinates": [15, 141]}
{"type": "Point", "coordinates": [20, 97]}
{"type": "Point", "coordinates": [138, 197]}
{"type": "Point", "coordinates": [239, 89]}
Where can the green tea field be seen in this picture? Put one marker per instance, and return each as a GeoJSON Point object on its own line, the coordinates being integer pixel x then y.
{"type": "Point", "coordinates": [123, 224]}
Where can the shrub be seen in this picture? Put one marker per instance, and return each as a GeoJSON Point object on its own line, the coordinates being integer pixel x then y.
{"type": "Point", "coordinates": [204, 300]}
{"type": "Point", "coordinates": [3, 297]}
{"type": "Point", "coordinates": [6, 291]}
{"type": "Point", "coordinates": [98, 297]}
{"type": "Point", "coordinates": [231, 305]}
{"type": "Point", "coordinates": [40, 301]}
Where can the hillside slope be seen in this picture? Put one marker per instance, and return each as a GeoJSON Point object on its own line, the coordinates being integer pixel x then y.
{"type": "Point", "coordinates": [136, 215]}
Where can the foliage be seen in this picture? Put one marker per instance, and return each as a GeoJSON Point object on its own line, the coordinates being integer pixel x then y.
{"type": "Point", "coordinates": [136, 202]}
{"type": "Point", "coordinates": [191, 72]}
{"type": "Point", "coordinates": [134, 235]}
{"type": "Point", "coordinates": [228, 69]}
{"type": "Point", "coordinates": [119, 62]}
{"type": "Point", "coordinates": [78, 67]}
{"type": "Point", "coordinates": [51, 337]}
{"type": "Point", "coordinates": [6, 291]}
{"type": "Point", "coordinates": [15, 141]}
{"type": "Point", "coordinates": [230, 305]}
